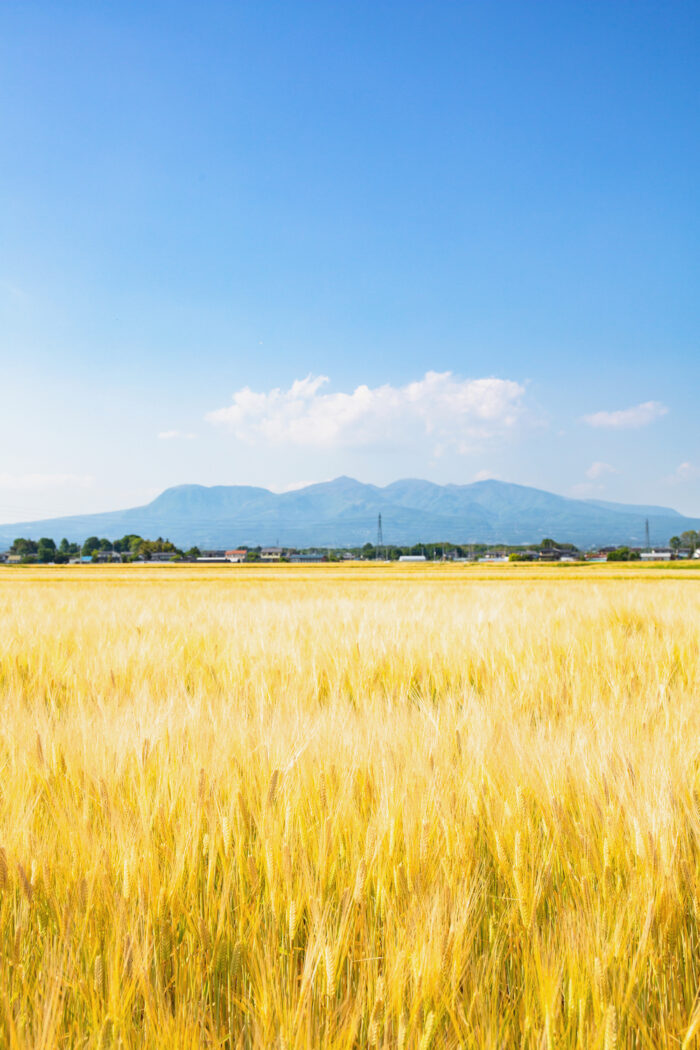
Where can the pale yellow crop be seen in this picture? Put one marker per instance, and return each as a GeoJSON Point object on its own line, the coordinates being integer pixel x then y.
{"type": "Point", "coordinates": [317, 807]}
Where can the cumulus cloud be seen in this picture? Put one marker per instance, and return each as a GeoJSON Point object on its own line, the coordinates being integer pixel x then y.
{"type": "Point", "coordinates": [628, 418]}
{"type": "Point", "coordinates": [447, 411]}
{"type": "Point", "coordinates": [599, 470]}
{"type": "Point", "coordinates": [684, 472]}
{"type": "Point", "coordinates": [595, 485]}
{"type": "Point", "coordinates": [39, 482]}
{"type": "Point", "coordinates": [171, 435]}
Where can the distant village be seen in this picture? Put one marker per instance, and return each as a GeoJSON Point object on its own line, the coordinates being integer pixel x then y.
{"type": "Point", "coordinates": [137, 549]}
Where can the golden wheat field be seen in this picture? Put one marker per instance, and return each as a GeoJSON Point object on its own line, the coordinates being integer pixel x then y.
{"type": "Point", "coordinates": [317, 807]}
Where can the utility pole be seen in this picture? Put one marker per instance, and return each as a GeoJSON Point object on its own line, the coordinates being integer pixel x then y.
{"type": "Point", "coordinates": [380, 538]}
{"type": "Point", "coordinates": [646, 533]}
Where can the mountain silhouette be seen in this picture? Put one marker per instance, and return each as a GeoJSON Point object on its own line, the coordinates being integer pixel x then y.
{"type": "Point", "coordinates": [344, 512]}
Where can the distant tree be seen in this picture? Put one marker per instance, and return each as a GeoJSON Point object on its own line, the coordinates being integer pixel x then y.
{"type": "Point", "coordinates": [675, 542]}
{"type": "Point", "coordinates": [147, 548]}
{"type": "Point", "coordinates": [193, 552]}
{"type": "Point", "coordinates": [547, 544]}
{"type": "Point", "coordinates": [91, 544]}
{"type": "Point", "coordinates": [690, 538]}
{"type": "Point", "coordinates": [127, 543]}
{"type": "Point", "coordinates": [46, 549]}
{"type": "Point", "coordinates": [623, 554]}
{"type": "Point", "coordinates": [64, 546]}
{"type": "Point", "coordinates": [23, 547]}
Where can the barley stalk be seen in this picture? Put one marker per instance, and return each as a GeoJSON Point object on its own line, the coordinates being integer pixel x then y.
{"type": "Point", "coordinates": [481, 826]}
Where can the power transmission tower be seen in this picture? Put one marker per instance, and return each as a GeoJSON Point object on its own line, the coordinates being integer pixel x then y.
{"type": "Point", "coordinates": [646, 533]}
{"type": "Point", "coordinates": [380, 538]}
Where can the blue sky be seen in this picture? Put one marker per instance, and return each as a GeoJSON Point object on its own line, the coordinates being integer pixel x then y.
{"type": "Point", "coordinates": [479, 222]}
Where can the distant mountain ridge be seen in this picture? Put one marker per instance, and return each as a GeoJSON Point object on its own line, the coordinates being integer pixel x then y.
{"type": "Point", "coordinates": [344, 512]}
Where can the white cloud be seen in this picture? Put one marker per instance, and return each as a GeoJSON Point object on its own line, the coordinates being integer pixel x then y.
{"type": "Point", "coordinates": [595, 485]}
{"type": "Point", "coordinates": [628, 418]}
{"type": "Point", "coordinates": [39, 482]}
{"type": "Point", "coordinates": [171, 435]}
{"type": "Point", "coordinates": [684, 472]}
{"type": "Point", "coordinates": [448, 411]}
{"type": "Point", "coordinates": [486, 475]}
{"type": "Point", "coordinates": [599, 470]}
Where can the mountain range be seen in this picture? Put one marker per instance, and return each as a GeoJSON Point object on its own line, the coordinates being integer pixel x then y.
{"type": "Point", "coordinates": [344, 512]}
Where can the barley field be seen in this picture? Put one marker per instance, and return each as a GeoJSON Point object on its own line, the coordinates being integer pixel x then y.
{"type": "Point", "coordinates": [350, 807]}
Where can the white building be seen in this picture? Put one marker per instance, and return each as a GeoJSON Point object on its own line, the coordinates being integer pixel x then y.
{"type": "Point", "coordinates": [271, 553]}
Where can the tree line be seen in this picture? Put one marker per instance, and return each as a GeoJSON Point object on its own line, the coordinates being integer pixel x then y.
{"type": "Point", "coordinates": [129, 548]}
{"type": "Point", "coordinates": [689, 539]}
{"type": "Point", "coordinates": [135, 548]}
